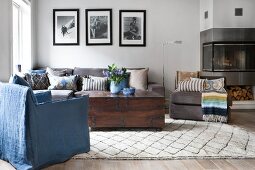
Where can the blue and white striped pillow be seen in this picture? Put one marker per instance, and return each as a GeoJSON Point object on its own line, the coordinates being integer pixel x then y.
{"type": "Point", "coordinates": [196, 85]}
{"type": "Point", "coordinates": [94, 83]}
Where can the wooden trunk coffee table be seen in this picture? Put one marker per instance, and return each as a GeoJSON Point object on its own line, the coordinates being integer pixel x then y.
{"type": "Point", "coordinates": [145, 109]}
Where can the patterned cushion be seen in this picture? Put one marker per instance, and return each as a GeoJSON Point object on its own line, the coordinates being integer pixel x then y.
{"type": "Point", "coordinates": [195, 85]}
{"type": "Point", "coordinates": [56, 72]}
{"type": "Point", "coordinates": [38, 81]}
{"type": "Point", "coordinates": [185, 76]}
{"type": "Point", "coordinates": [214, 85]}
{"type": "Point", "coordinates": [94, 83]}
{"type": "Point", "coordinates": [63, 83]}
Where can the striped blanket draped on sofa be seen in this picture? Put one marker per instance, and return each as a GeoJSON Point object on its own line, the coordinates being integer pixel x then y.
{"type": "Point", "coordinates": [214, 106]}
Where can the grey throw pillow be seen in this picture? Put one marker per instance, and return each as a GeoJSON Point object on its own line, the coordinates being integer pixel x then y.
{"type": "Point", "coordinates": [56, 72]}
{"type": "Point", "coordinates": [38, 81]}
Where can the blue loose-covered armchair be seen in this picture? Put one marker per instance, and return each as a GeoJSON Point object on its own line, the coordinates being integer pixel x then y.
{"type": "Point", "coordinates": [34, 135]}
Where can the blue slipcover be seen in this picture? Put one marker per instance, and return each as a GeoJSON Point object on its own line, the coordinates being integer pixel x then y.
{"type": "Point", "coordinates": [43, 96]}
{"type": "Point", "coordinates": [33, 136]}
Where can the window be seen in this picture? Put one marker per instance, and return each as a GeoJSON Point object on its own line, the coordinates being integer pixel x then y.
{"type": "Point", "coordinates": [21, 35]}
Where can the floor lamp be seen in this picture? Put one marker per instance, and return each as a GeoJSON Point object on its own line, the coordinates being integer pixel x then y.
{"type": "Point", "coordinates": [168, 43]}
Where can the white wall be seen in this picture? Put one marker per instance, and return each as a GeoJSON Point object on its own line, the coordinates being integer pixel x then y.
{"type": "Point", "coordinates": [224, 14]}
{"type": "Point", "coordinates": [206, 5]}
{"type": "Point", "coordinates": [167, 20]}
{"type": "Point", "coordinates": [5, 39]}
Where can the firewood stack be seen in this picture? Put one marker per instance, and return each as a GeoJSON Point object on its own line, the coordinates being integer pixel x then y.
{"type": "Point", "coordinates": [240, 93]}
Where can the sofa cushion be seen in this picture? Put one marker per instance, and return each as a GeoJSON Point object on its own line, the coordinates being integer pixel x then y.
{"type": "Point", "coordinates": [38, 81]}
{"type": "Point", "coordinates": [63, 83]}
{"type": "Point", "coordinates": [94, 83]}
{"type": "Point", "coordinates": [215, 85]}
{"type": "Point", "coordinates": [186, 98]}
{"type": "Point", "coordinates": [98, 72]}
{"type": "Point", "coordinates": [58, 94]}
{"type": "Point", "coordinates": [55, 72]}
{"type": "Point", "coordinates": [139, 78]}
{"type": "Point", "coordinates": [194, 85]}
{"type": "Point", "coordinates": [185, 75]}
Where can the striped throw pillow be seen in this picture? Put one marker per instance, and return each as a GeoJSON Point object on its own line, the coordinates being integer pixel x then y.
{"type": "Point", "coordinates": [94, 83]}
{"type": "Point", "coordinates": [191, 85]}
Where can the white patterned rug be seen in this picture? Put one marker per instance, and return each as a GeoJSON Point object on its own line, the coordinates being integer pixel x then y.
{"type": "Point", "coordinates": [179, 139]}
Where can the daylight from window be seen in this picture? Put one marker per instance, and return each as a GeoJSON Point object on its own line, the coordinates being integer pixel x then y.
{"type": "Point", "coordinates": [21, 59]}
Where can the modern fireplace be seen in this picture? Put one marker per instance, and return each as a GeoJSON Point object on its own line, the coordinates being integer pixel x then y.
{"type": "Point", "coordinates": [229, 53]}
{"type": "Point", "coordinates": [228, 56]}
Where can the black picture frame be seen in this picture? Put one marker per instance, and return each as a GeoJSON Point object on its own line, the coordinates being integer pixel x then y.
{"type": "Point", "coordinates": [98, 34]}
{"type": "Point", "coordinates": [127, 37]}
{"type": "Point", "coordinates": [71, 18]}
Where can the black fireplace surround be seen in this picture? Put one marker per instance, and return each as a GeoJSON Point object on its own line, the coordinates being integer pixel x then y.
{"type": "Point", "coordinates": [229, 52]}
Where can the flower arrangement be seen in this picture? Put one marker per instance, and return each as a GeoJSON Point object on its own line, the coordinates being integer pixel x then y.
{"type": "Point", "coordinates": [115, 74]}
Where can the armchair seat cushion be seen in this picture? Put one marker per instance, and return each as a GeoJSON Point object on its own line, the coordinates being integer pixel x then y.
{"type": "Point", "coordinates": [186, 98]}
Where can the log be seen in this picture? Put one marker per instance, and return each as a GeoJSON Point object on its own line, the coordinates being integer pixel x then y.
{"type": "Point", "coordinates": [240, 92]}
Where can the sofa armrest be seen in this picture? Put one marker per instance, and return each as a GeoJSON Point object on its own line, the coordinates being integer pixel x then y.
{"type": "Point", "coordinates": [156, 88]}
{"type": "Point", "coordinates": [60, 128]}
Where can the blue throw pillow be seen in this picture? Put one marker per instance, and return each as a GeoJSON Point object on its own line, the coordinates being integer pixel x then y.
{"type": "Point", "coordinates": [15, 79]}
{"type": "Point", "coordinates": [37, 71]}
{"type": "Point", "coordinates": [43, 97]}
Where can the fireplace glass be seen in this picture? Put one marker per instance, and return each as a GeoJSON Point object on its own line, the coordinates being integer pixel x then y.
{"type": "Point", "coordinates": [229, 57]}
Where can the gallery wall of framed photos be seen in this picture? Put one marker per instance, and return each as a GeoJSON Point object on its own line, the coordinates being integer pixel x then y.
{"type": "Point", "coordinates": [99, 31]}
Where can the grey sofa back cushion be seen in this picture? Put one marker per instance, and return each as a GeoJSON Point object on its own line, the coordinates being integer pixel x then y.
{"type": "Point", "coordinates": [98, 72]}
{"type": "Point", "coordinates": [69, 71]}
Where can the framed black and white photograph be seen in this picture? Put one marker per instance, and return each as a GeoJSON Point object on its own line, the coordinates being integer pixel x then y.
{"type": "Point", "coordinates": [98, 26]}
{"type": "Point", "coordinates": [66, 27]}
{"type": "Point", "coordinates": [132, 28]}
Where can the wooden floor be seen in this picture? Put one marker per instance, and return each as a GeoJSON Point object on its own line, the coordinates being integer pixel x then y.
{"type": "Point", "coordinates": [244, 119]}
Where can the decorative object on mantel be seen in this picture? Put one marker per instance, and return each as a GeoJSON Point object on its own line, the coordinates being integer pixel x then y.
{"type": "Point", "coordinates": [66, 27]}
{"type": "Point", "coordinates": [98, 26]}
{"type": "Point", "coordinates": [132, 28]}
{"type": "Point", "coordinates": [118, 78]}
{"type": "Point", "coordinates": [179, 139]}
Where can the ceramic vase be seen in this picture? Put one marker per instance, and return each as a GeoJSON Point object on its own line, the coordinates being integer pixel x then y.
{"type": "Point", "coordinates": [115, 87]}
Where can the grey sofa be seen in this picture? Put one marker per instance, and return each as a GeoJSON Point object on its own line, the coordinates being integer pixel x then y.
{"type": "Point", "coordinates": [187, 105]}
{"type": "Point", "coordinates": [64, 94]}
